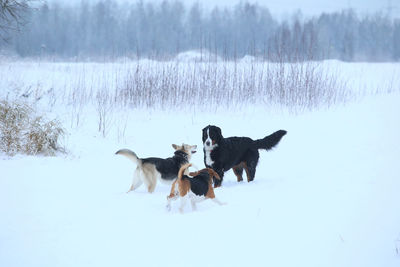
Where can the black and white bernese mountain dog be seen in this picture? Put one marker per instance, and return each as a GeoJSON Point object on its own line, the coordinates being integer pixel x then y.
{"type": "Point", "coordinates": [222, 154]}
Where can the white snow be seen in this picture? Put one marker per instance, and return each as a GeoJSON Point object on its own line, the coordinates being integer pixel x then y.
{"type": "Point", "coordinates": [327, 195]}
{"type": "Point", "coordinates": [197, 56]}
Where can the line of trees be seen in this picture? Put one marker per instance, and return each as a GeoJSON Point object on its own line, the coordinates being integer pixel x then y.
{"type": "Point", "coordinates": [110, 29]}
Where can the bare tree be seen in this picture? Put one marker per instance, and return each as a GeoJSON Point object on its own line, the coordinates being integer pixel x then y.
{"type": "Point", "coordinates": [12, 15]}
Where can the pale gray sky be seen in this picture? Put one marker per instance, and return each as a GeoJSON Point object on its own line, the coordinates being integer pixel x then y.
{"type": "Point", "coordinates": [281, 8]}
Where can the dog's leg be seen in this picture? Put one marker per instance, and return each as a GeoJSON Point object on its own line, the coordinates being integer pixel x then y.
{"type": "Point", "coordinates": [153, 182]}
{"type": "Point", "coordinates": [238, 171]}
{"type": "Point", "coordinates": [217, 201]}
{"type": "Point", "coordinates": [173, 195]}
{"type": "Point", "coordinates": [169, 198]}
{"type": "Point", "coordinates": [174, 188]}
{"type": "Point", "coordinates": [193, 203]}
{"type": "Point", "coordinates": [247, 171]}
{"type": "Point", "coordinates": [135, 185]}
{"type": "Point", "coordinates": [149, 178]}
{"type": "Point", "coordinates": [136, 181]}
{"type": "Point", "coordinates": [250, 172]}
{"type": "Point", "coordinates": [251, 164]}
{"type": "Point", "coordinates": [151, 188]}
{"type": "Point", "coordinates": [196, 199]}
{"type": "Point", "coordinates": [217, 183]}
{"type": "Point", "coordinates": [210, 192]}
{"type": "Point", "coordinates": [211, 195]}
{"type": "Point", "coordinates": [183, 203]}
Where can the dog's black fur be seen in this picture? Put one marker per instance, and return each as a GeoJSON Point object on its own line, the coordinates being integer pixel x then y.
{"type": "Point", "coordinates": [199, 183]}
{"type": "Point", "coordinates": [169, 167]}
{"type": "Point", "coordinates": [236, 152]}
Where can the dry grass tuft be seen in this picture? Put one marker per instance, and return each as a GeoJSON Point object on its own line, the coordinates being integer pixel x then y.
{"type": "Point", "coordinates": [21, 131]}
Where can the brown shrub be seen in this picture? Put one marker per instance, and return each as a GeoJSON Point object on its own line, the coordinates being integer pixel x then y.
{"type": "Point", "coordinates": [21, 131]}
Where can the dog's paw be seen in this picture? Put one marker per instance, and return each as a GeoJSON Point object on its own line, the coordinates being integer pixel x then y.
{"type": "Point", "coordinates": [219, 202]}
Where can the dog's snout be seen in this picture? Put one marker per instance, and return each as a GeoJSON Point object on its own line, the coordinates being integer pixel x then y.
{"type": "Point", "coordinates": [208, 143]}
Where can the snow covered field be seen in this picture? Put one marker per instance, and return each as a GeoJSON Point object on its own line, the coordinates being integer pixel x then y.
{"type": "Point", "coordinates": [327, 195]}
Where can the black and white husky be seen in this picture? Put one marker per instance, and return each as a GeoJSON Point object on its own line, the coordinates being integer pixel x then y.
{"type": "Point", "coordinates": [149, 170]}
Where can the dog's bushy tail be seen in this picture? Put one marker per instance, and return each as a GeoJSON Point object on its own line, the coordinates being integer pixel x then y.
{"type": "Point", "coordinates": [270, 141]}
{"type": "Point", "coordinates": [183, 169]}
{"type": "Point", "coordinates": [130, 155]}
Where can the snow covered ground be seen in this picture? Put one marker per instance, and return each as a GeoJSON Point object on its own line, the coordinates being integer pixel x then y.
{"type": "Point", "coordinates": [327, 195]}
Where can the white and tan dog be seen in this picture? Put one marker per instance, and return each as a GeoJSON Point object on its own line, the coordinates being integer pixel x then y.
{"type": "Point", "coordinates": [149, 170]}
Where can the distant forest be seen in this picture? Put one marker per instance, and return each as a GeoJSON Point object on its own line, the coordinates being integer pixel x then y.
{"type": "Point", "coordinates": [161, 31]}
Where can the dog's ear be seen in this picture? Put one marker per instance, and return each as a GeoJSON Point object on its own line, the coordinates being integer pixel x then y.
{"type": "Point", "coordinates": [214, 173]}
{"type": "Point", "coordinates": [204, 135]}
{"type": "Point", "coordinates": [176, 147]}
{"type": "Point", "coordinates": [219, 132]}
{"type": "Point", "coordinates": [193, 173]}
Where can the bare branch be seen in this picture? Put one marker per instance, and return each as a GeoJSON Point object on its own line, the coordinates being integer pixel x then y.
{"type": "Point", "coordinates": [12, 15]}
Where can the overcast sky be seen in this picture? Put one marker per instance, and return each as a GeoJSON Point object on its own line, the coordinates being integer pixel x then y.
{"type": "Point", "coordinates": [281, 8]}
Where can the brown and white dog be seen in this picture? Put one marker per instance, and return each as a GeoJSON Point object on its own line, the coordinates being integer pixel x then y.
{"type": "Point", "coordinates": [197, 188]}
{"type": "Point", "coordinates": [149, 170]}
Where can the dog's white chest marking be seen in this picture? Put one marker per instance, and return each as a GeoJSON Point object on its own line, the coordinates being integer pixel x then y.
{"type": "Point", "coordinates": [209, 161]}
{"type": "Point", "coordinates": [208, 149]}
